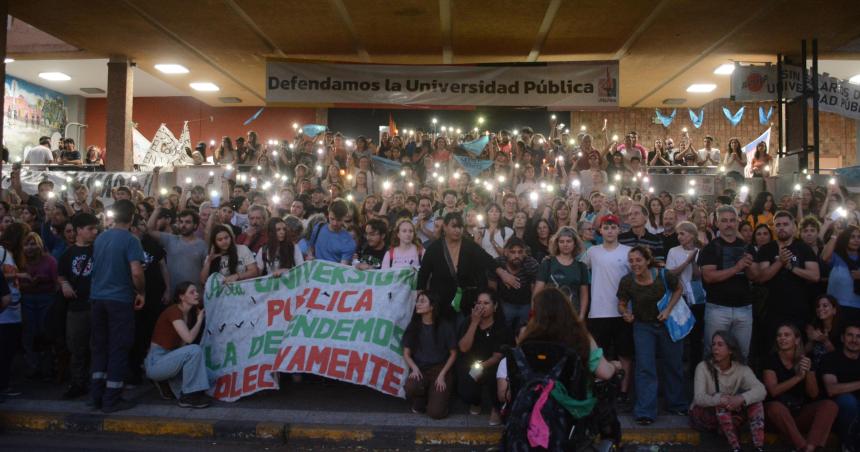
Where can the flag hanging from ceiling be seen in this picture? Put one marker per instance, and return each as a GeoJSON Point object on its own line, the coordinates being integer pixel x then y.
{"type": "Point", "coordinates": [734, 118]}
{"type": "Point", "coordinates": [666, 119]}
{"type": "Point", "coordinates": [392, 126]}
{"type": "Point", "coordinates": [697, 119]}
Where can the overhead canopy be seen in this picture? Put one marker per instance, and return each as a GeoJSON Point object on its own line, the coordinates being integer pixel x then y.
{"type": "Point", "coordinates": [663, 46]}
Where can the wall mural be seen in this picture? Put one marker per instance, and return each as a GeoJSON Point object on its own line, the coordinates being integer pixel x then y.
{"type": "Point", "coordinates": [30, 111]}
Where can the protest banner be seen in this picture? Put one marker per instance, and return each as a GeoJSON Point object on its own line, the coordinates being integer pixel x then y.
{"type": "Point", "coordinates": [321, 317]}
{"type": "Point", "coordinates": [758, 83]}
{"type": "Point", "coordinates": [384, 166]}
{"type": "Point", "coordinates": [166, 151]}
{"type": "Point", "coordinates": [579, 84]}
{"type": "Point", "coordinates": [98, 183]}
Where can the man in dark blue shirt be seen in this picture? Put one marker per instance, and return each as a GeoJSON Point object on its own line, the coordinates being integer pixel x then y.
{"type": "Point", "coordinates": [117, 290]}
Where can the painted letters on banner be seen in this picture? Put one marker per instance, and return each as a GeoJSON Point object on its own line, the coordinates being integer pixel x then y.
{"type": "Point", "coordinates": [557, 85]}
{"type": "Point", "coordinates": [758, 83]}
{"type": "Point", "coordinates": [321, 317]}
{"type": "Point", "coordinates": [166, 151]}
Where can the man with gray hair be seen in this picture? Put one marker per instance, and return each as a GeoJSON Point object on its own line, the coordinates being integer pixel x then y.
{"type": "Point", "coordinates": [726, 265]}
{"type": "Point", "coordinates": [255, 236]}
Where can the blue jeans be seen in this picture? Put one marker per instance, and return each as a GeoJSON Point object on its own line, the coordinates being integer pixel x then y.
{"type": "Point", "coordinates": [652, 340]}
{"type": "Point", "coordinates": [738, 321]}
{"type": "Point", "coordinates": [848, 410]}
{"type": "Point", "coordinates": [183, 368]}
{"type": "Point", "coordinates": [34, 312]}
{"type": "Point", "coordinates": [112, 335]}
{"type": "Point", "coordinates": [516, 315]}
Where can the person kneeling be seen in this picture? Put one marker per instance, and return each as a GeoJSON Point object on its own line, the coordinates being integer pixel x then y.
{"type": "Point", "coordinates": [726, 391]}
{"type": "Point", "coordinates": [172, 355]}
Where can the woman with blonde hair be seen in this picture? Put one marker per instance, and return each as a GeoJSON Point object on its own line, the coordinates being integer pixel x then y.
{"type": "Point", "coordinates": [681, 262]}
{"type": "Point", "coordinates": [562, 269]}
{"type": "Point", "coordinates": [406, 249]}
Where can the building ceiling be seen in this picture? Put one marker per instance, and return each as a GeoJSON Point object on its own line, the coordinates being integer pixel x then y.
{"type": "Point", "coordinates": [663, 45]}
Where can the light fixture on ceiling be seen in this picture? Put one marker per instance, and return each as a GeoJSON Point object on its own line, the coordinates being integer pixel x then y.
{"type": "Point", "coordinates": [93, 90]}
{"type": "Point", "coordinates": [204, 86]}
{"type": "Point", "coordinates": [172, 68]}
{"type": "Point", "coordinates": [8, 60]}
{"type": "Point", "coordinates": [725, 69]}
{"type": "Point", "coordinates": [230, 100]}
{"type": "Point", "coordinates": [854, 80]}
{"type": "Point", "coordinates": [701, 88]}
{"type": "Point", "coordinates": [674, 101]}
{"type": "Point", "coordinates": [54, 76]}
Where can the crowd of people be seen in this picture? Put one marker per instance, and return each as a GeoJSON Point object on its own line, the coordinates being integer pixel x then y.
{"type": "Point", "coordinates": [102, 297]}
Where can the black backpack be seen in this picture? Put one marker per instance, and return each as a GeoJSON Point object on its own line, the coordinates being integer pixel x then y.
{"type": "Point", "coordinates": [528, 376]}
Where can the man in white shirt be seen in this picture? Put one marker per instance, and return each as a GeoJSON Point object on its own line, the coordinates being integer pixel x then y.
{"type": "Point", "coordinates": [608, 264]}
{"type": "Point", "coordinates": [708, 155]}
{"type": "Point", "coordinates": [41, 154]}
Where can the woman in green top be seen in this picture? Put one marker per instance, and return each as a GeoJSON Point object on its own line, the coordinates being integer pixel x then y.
{"type": "Point", "coordinates": [645, 287]}
{"type": "Point", "coordinates": [561, 269]}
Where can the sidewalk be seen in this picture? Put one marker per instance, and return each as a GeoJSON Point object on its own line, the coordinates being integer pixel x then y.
{"type": "Point", "coordinates": [306, 413]}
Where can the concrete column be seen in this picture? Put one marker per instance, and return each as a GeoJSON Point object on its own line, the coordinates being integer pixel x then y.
{"type": "Point", "coordinates": [119, 152]}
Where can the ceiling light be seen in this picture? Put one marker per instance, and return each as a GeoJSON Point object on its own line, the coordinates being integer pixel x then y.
{"type": "Point", "coordinates": [230, 100]}
{"type": "Point", "coordinates": [854, 80]}
{"type": "Point", "coordinates": [8, 60]}
{"type": "Point", "coordinates": [204, 86]}
{"type": "Point", "coordinates": [674, 101]}
{"type": "Point", "coordinates": [93, 90]}
{"type": "Point", "coordinates": [54, 76]}
{"type": "Point", "coordinates": [725, 69]}
{"type": "Point", "coordinates": [701, 88]}
{"type": "Point", "coordinates": [172, 68]}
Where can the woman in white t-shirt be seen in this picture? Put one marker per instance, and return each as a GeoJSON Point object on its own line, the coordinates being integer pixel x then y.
{"type": "Point", "coordinates": [235, 262]}
{"type": "Point", "coordinates": [406, 250]}
{"type": "Point", "coordinates": [681, 260]}
{"type": "Point", "coordinates": [494, 235]}
{"type": "Point", "coordinates": [279, 254]}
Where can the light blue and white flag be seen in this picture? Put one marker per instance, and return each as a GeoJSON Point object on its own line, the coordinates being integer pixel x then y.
{"type": "Point", "coordinates": [749, 150]}
{"type": "Point", "coordinates": [384, 166]}
{"type": "Point", "coordinates": [313, 130]}
{"type": "Point", "coordinates": [473, 166]}
{"type": "Point", "coordinates": [475, 147]}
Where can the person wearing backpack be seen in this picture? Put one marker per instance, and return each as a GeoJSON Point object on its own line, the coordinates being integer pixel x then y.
{"type": "Point", "coordinates": [727, 393]}
{"type": "Point", "coordinates": [645, 287]}
{"type": "Point", "coordinates": [555, 356]}
{"type": "Point", "coordinates": [279, 254]}
{"type": "Point", "coordinates": [406, 250]}
{"type": "Point", "coordinates": [430, 349]}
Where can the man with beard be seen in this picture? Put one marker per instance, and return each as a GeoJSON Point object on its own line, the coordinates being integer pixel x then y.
{"type": "Point", "coordinates": [516, 303]}
{"type": "Point", "coordinates": [669, 236]}
{"type": "Point", "coordinates": [369, 256]}
{"type": "Point", "coordinates": [185, 252]}
{"type": "Point", "coordinates": [786, 267]}
{"type": "Point", "coordinates": [255, 236]}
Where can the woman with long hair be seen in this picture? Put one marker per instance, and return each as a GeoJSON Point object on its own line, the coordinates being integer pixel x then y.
{"type": "Point", "coordinates": [494, 234]}
{"type": "Point", "coordinates": [645, 287]}
{"type": "Point", "coordinates": [539, 244]}
{"type": "Point", "coordinates": [562, 269]}
{"type": "Point", "coordinates": [225, 153]}
{"type": "Point", "coordinates": [406, 250]}
{"type": "Point", "coordinates": [175, 364]}
{"type": "Point", "coordinates": [842, 253]}
{"type": "Point", "coordinates": [429, 349]}
{"type": "Point", "coordinates": [279, 254]}
{"type": "Point", "coordinates": [527, 182]}
{"type": "Point", "coordinates": [234, 262]}
{"type": "Point", "coordinates": [726, 392]}
{"type": "Point", "coordinates": [736, 160]}
{"type": "Point", "coordinates": [793, 390]}
{"type": "Point", "coordinates": [655, 216]}
{"type": "Point", "coordinates": [521, 224]}
{"type": "Point", "coordinates": [761, 160]}
{"type": "Point", "coordinates": [11, 257]}
{"type": "Point", "coordinates": [824, 330]}
{"type": "Point", "coordinates": [762, 235]}
{"type": "Point", "coordinates": [38, 283]}
{"type": "Point", "coordinates": [700, 219]}
{"type": "Point", "coordinates": [762, 210]}
{"type": "Point", "coordinates": [480, 343]}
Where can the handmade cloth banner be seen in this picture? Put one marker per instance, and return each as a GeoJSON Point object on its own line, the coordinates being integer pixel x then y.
{"type": "Point", "coordinates": [697, 119]}
{"type": "Point", "coordinates": [475, 147]}
{"type": "Point", "coordinates": [99, 183]}
{"type": "Point", "coordinates": [166, 151]}
{"type": "Point", "coordinates": [736, 118]}
{"type": "Point", "coordinates": [321, 318]}
{"type": "Point", "coordinates": [473, 166]}
{"type": "Point", "coordinates": [758, 83]}
{"type": "Point", "coordinates": [749, 150]}
{"type": "Point", "coordinates": [666, 120]}
{"type": "Point", "coordinates": [572, 84]}
{"type": "Point", "coordinates": [384, 166]}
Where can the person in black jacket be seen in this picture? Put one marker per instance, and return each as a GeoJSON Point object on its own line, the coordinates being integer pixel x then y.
{"type": "Point", "coordinates": [456, 270]}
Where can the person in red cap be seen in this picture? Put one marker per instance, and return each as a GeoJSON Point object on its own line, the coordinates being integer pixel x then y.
{"type": "Point", "coordinates": [608, 264]}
